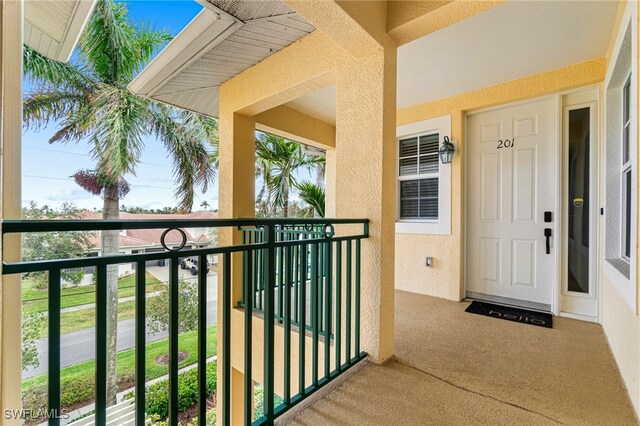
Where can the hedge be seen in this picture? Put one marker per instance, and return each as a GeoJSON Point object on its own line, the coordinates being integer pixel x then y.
{"type": "Point", "coordinates": [157, 394]}
{"type": "Point", "coordinates": [74, 389]}
{"type": "Point", "coordinates": [210, 420]}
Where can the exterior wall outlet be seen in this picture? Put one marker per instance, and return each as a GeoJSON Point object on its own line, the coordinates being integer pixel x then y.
{"type": "Point", "coordinates": [429, 262]}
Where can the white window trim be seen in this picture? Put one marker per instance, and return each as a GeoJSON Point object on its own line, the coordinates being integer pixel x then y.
{"type": "Point", "coordinates": [626, 168]}
{"type": "Point", "coordinates": [626, 286]}
{"type": "Point", "coordinates": [442, 226]}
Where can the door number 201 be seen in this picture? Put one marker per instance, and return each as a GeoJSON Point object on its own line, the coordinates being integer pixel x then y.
{"type": "Point", "coordinates": [507, 143]}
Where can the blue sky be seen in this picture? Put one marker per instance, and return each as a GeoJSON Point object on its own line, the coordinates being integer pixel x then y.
{"type": "Point", "coordinates": [46, 168]}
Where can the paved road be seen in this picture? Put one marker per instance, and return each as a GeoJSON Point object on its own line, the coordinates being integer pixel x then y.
{"type": "Point", "coordinates": [80, 345]}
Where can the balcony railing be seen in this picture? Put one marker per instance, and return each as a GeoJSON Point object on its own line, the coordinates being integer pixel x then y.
{"type": "Point", "coordinates": [298, 261]}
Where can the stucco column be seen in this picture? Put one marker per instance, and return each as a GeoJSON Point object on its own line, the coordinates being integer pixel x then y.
{"type": "Point", "coordinates": [11, 13]}
{"type": "Point", "coordinates": [237, 200]}
{"type": "Point", "coordinates": [361, 183]}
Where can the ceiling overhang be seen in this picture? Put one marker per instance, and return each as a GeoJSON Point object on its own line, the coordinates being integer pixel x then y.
{"type": "Point", "coordinates": [512, 41]}
{"type": "Point", "coordinates": [224, 39]}
{"type": "Point", "coordinates": [53, 28]}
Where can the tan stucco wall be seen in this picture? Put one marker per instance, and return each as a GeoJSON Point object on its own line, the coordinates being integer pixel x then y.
{"type": "Point", "coordinates": [237, 349]}
{"type": "Point", "coordinates": [367, 128]}
{"type": "Point", "coordinates": [292, 124]}
{"type": "Point", "coordinates": [446, 278]}
{"type": "Point", "coordinates": [410, 20]}
{"type": "Point", "coordinates": [307, 65]}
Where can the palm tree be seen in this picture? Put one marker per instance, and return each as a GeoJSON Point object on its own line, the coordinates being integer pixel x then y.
{"type": "Point", "coordinates": [88, 100]}
{"type": "Point", "coordinates": [279, 159]}
{"type": "Point", "coordinates": [204, 204]}
{"type": "Point", "coordinates": [263, 171]}
{"type": "Point", "coordinates": [314, 195]}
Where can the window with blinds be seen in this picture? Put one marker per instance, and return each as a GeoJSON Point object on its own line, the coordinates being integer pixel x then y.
{"type": "Point", "coordinates": [419, 178]}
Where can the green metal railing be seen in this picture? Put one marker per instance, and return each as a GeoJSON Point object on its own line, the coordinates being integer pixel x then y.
{"type": "Point", "coordinates": [284, 258]}
{"type": "Point", "coordinates": [299, 261]}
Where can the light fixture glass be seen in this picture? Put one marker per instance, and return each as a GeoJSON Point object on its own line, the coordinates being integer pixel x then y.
{"type": "Point", "coordinates": [446, 151]}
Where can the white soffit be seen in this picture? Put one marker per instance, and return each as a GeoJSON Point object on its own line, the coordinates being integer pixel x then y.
{"type": "Point", "coordinates": [53, 27]}
{"type": "Point", "coordinates": [226, 38]}
{"type": "Point", "coordinates": [511, 41]}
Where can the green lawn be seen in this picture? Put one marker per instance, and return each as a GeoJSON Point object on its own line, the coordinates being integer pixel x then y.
{"type": "Point", "coordinates": [86, 318]}
{"type": "Point", "coordinates": [34, 300]}
{"type": "Point", "coordinates": [85, 371]}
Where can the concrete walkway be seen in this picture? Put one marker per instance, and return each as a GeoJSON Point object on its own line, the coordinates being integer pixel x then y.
{"type": "Point", "coordinates": [159, 272]}
{"type": "Point", "coordinates": [456, 368]}
{"type": "Point", "coordinates": [93, 305]}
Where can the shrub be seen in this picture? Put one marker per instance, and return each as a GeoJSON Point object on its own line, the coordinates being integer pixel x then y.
{"type": "Point", "coordinates": [74, 389]}
{"type": "Point", "coordinates": [157, 394]}
{"type": "Point", "coordinates": [158, 307]}
{"type": "Point", "coordinates": [258, 396]}
{"type": "Point", "coordinates": [32, 325]}
{"type": "Point", "coordinates": [211, 420]}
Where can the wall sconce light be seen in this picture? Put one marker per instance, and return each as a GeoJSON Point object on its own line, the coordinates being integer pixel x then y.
{"type": "Point", "coordinates": [446, 151]}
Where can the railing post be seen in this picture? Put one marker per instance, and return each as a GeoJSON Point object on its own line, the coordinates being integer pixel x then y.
{"type": "Point", "coordinates": [140, 324]}
{"type": "Point", "coordinates": [248, 337]}
{"type": "Point", "coordinates": [287, 323]}
{"type": "Point", "coordinates": [226, 339]}
{"type": "Point", "coordinates": [174, 295]}
{"type": "Point", "coordinates": [337, 339]}
{"type": "Point", "coordinates": [315, 329]}
{"type": "Point", "coordinates": [54, 346]}
{"type": "Point", "coordinates": [269, 278]}
{"type": "Point", "coordinates": [328, 308]}
{"type": "Point", "coordinates": [202, 338]}
{"type": "Point", "coordinates": [101, 343]}
{"type": "Point", "coordinates": [302, 319]}
{"type": "Point", "coordinates": [347, 343]}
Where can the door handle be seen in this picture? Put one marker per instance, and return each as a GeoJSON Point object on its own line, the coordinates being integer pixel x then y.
{"type": "Point", "coordinates": [547, 234]}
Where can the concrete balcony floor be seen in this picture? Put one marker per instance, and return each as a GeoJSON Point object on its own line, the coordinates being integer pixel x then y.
{"type": "Point", "coordinates": [458, 368]}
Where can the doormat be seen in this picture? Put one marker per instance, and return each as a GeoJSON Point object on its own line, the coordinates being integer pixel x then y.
{"type": "Point", "coordinates": [511, 314]}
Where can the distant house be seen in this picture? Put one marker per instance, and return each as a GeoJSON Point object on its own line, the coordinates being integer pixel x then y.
{"type": "Point", "coordinates": [134, 241]}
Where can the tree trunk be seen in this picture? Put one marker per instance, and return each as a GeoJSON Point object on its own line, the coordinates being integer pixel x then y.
{"type": "Point", "coordinates": [319, 183]}
{"type": "Point", "coordinates": [320, 175]}
{"type": "Point", "coordinates": [285, 198]}
{"type": "Point", "coordinates": [111, 246]}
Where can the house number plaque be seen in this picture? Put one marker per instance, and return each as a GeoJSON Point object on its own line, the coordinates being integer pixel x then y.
{"type": "Point", "coordinates": [507, 143]}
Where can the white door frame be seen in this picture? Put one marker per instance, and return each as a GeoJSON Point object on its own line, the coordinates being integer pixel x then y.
{"type": "Point", "coordinates": [585, 97]}
{"type": "Point", "coordinates": [558, 211]}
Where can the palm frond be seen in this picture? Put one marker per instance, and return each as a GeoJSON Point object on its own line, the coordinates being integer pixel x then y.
{"type": "Point", "coordinates": [204, 129]}
{"type": "Point", "coordinates": [284, 158]}
{"type": "Point", "coordinates": [76, 125]}
{"type": "Point", "coordinates": [192, 168]}
{"type": "Point", "coordinates": [42, 107]}
{"type": "Point", "coordinates": [313, 195]}
{"type": "Point", "coordinates": [120, 127]}
{"type": "Point", "coordinates": [108, 41]}
{"type": "Point", "coordinates": [148, 41]}
{"type": "Point", "coordinates": [277, 189]}
{"type": "Point", "coordinates": [53, 74]}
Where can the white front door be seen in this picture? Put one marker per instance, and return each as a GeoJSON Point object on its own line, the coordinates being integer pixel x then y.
{"type": "Point", "coordinates": [511, 183]}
